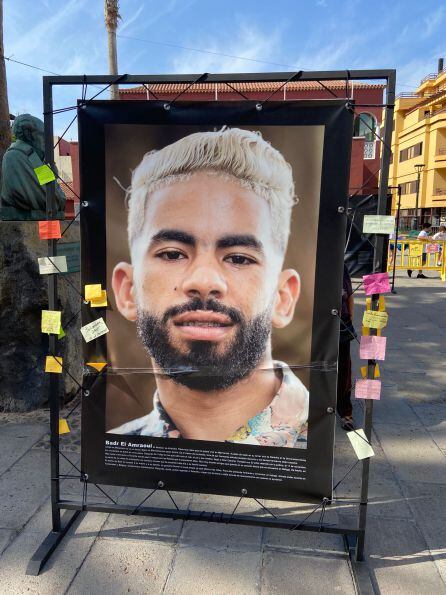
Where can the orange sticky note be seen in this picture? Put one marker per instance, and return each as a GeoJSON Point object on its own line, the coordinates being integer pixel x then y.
{"type": "Point", "coordinates": [53, 364]}
{"type": "Point", "coordinates": [63, 426]}
{"type": "Point", "coordinates": [93, 292]}
{"type": "Point", "coordinates": [49, 230]}
{"type": "Point", "coordinates": [97, 365]}
{"type": "Point", "coordinates": [100, 302]}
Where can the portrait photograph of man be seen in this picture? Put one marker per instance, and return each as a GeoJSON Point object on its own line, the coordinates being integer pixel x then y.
{"type": "Point", "coordinates": [207, 284]}
{"type": "Point", "coordinates": [208, 226]}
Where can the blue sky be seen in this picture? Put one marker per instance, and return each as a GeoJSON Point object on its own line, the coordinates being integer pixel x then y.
{"type": "Point", "coordinates": [69, 37]}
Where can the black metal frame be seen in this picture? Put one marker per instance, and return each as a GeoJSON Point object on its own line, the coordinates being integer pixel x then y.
{"type": "Point", "coordinates": [353, 536]}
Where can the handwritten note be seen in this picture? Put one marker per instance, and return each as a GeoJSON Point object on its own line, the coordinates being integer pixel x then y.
{"type": "Point", "coordinates": [94, 329]}
{"type": "Point", "coordinates": [100, 302]}
{"type": "Point", "coordinates": [53, 364]}
{"type": "Point", "coordinates": [93, 292]}
{"type": "Point", "coordinates": [374, 319]}
{"type": "Point", "coordinates": [378, 224]}
{"type": "Point", "coordinates": [63, 426]}
{"type": "Point", "coordinates": [52, 264]}
{"type": "Point", "coordinates": [44, 174]}
{"type": "Point", "coordinates": [373, 348]}
{"type": "Point", "coordinates": [360, 444]}
{"type": "Point", "coordinates": [368, 389]}
{"type": "Point", "coordinates": [415, 250]}
{"type": "Point", "coordinates": [49, 230]}
{"type": "Point", "coordinates": [97, 365]}
{"type": "Point", "coordinates": [376, 283]}
{"type": "Point", "coordinates": [377, 373]}
{"type": "Point", "coordinates": [51, 321]}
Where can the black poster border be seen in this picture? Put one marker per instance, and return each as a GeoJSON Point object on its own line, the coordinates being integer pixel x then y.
{"type": "Point", "coordinates": [337, 120]}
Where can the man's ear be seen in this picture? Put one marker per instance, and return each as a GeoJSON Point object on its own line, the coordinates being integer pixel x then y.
{"type": "Point", "coordinates": [288, 291]}
{"type": "Point", "coordinates": [122, 283]}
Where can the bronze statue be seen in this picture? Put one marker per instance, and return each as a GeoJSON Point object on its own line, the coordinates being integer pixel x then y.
{"type": "Point", "coordinates": [22, 196]}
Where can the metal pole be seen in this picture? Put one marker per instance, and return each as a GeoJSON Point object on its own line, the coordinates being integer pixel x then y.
{"type": "Point", "coordinates": [397, 229]}
{"type": "Point", "coordinates": [415, 219]}
{"type": "Point", "coordinates": [52, 305]}
{"type": "Point", "coordinates": [379, 265]}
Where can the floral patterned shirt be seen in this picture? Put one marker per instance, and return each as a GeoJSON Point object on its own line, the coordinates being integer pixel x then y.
{"type": "Point", "coordinates": [283, 423]}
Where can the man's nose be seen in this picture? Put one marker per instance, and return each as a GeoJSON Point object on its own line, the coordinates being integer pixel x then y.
{"type": "Point", "coordinates": [204, 281]}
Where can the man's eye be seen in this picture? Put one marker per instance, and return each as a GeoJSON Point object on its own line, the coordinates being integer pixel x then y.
{"type": "Point", "coordinates": [171, 255]}
{"type": "Point", "coordinates": [239, 259]}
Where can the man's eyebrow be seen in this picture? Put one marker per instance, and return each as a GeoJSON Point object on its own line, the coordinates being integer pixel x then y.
{"type": "Point", "coordinates": [173, 235]}
{"type": "Point", "coordinates": [246, 240]}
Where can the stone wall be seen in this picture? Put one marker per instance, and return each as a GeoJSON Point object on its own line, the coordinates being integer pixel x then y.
{"type": "Point", "coordinates": [23, 295]}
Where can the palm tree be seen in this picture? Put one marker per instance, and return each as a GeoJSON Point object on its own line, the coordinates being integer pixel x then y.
{"type": "Point", "coordinates": [5, 128]}
{"type": "Point", "coordinates": [111, 13]}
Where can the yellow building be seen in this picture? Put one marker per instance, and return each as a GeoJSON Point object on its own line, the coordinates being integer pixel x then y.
{"type": "Point", "coordinates": [419, 152]}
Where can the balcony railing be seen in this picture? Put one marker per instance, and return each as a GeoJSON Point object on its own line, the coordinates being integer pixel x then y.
{"type": "Point", "coordinates": [407, 94]}
{"type": "Point", "coordinates": [431, 77]}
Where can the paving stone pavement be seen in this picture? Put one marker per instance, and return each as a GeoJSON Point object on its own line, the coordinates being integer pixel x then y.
{"type": "Point", "coordinates": [406, 531]}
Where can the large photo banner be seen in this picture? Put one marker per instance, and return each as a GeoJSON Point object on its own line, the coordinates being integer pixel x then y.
{"type": "Point", "coordinates": [216, 231]}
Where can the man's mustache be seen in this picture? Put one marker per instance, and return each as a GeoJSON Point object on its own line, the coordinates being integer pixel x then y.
{"type": "Point", "coordinates": [199, 304]}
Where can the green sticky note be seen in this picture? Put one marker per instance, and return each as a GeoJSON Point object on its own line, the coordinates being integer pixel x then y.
{"type": "Point", "coordinates": [61, 335]}
{"type": "Point", "coordinates": [44, 174]}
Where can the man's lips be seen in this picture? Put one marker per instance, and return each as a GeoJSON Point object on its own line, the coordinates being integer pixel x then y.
{"type": "Point", "coordinates": [203, 325]}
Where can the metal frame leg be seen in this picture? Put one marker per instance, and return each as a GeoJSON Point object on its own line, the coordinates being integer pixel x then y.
{"type": "Point", "coordinates": [49, 544]}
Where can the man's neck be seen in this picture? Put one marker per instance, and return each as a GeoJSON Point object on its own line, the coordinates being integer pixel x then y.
{"type": "Point", "coordinates": [217, 415]}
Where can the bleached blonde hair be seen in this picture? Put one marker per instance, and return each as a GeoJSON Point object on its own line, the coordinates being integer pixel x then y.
{"type": "Point", "coordinates": [233, 153]}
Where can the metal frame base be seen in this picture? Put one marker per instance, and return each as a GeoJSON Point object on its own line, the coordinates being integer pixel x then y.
{"type": "Point", "coordinates": [360, 570]}
{"type": "Point", "coordinates": [50, 543]}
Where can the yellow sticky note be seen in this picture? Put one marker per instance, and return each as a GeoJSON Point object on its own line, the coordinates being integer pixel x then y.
{"type": "Point", "coordinates": [53, 364]}
{"type": "Point", "coordinates": [63, 426]}
{"type": "Point", "coordinates": [93, 292]}
{"type": "Point", "coordinates": [364, 371]}
{"type": "Point", "coordinates": [415, 250]}
{"type": "Point", "coordinates": [374, 319]}
{"type": "Point", "coordinates": [97, 365]}
{"type": "Point", "coordinates": [100, 302]}
{"type": "Point", "coordinates": [44, 174]}
{"type": "Point", "coordinates": [51, 321]}
{"type": "Point", "coordinates": [95, 329]}
{"type": "Point", "coordinates": [368, 303]}
{"type": "Point", "coordinates": [360, 444]}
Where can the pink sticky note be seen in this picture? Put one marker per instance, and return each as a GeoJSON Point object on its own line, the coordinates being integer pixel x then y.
{"type": "Point", "coordinates": [368, 389]}
{"type": "Point", "coordinates": [432, 248]}
{"type": "Point", "coordinates": [376, 283]}
{"type": "Point", "coordinates": [373, 347]}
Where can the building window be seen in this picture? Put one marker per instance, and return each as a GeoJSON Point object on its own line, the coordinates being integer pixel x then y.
{"type": "Point", "coordinates": [409, 187]}
{"type": "Point", "coordinates": [365, 125]}
{"type": "Point", "coordinates": [411, 152]}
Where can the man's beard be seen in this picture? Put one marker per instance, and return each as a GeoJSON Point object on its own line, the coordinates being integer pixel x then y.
{"type": "Point", "coordinates": [202, 367]}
